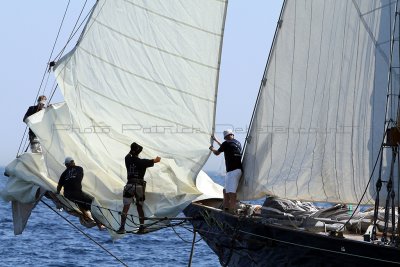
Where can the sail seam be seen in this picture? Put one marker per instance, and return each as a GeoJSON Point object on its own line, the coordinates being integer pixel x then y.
{"type": "Point", "coordinates": [290, 89]}
{"type": "Point", "coordinates": [130, 107]}
{"type": "Point", "coordinates": [315, 89]}
{"type": "Point", "coordinates": [327, 97]}
{"type": "Point", "coordinates": [358, 54]}
{"type": "Point", "coordinates": [146, 79]}
{"type": "Point", "coordinates": [342, 82]}
{"type": "Point", "coordinates": [155, 47]}
{"type": "Point", "coordinates": [174, 20]}
{"type": "Point", "coordinates": [307, 67]}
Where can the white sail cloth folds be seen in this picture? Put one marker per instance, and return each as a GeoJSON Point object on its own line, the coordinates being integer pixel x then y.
{"type": "Point", "coordinates": [145, 72]}
{"type": "Point", "coordinates": [319, 121]}
{"type": "Point", "coordinates": [148, 70]}
{"type": "Point", "coordinates": [53, 126]}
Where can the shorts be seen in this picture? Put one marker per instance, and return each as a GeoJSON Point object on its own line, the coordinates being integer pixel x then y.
{"type": "Point", "coordinates": [133, 191]}
{"type": "Point", "coordinates": [232, 180]}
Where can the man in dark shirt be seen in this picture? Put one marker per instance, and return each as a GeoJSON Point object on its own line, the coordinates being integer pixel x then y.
{"type": "Point", "coordinates": [233, 162]}
{"type": "Point", "coordinates": [136, 185]}
{"type": "Point", "coordinates": [33, 140]}
{"type": "Point", "coordinates": [71, 180]}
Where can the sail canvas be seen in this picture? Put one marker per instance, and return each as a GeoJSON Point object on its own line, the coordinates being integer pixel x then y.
{"type": "Point", "coordinates": [145, 72]}
{"type": "Point", "coordinates": [320, 119]}
{"type": "Point", "coordinates": [324, 129]}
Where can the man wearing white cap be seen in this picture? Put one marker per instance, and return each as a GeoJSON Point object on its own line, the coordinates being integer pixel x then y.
{"type": "Point", "coordinates": [232, 150]}
{"type": "Point", "coordinates": [34, 141]}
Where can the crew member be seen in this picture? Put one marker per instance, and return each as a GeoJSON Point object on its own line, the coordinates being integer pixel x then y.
{"type": "Point", "coordinates": [136, 185]}
{"type": "Point", "coordinates": [232, 151]}
{"type": "Point", "coordinates": [33, 140]}
{"type": "Point", "coordinates": [71, 180]}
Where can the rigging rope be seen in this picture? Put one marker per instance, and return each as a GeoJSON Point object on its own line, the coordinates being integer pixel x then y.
{"type": "Point", "coordinates": [390, 192]}
{"type": "Point", "coordinates": [74, 30]}
{"type": "Point", "coordinates": [86, 235]}
{"type": "Point", "coordinates": [42, 88]}
{"type": "Point", "coordinates": [59, 30]}
{"type": "Point", "coordinates": [187, 229]}
{"type": "Point", "coordinates": [369, 181]}
{"type": "Point", "coordinates": [130, 218]}
{"type": "Point", "coordinates": [22, 141]}
{"type": "Point", "coordinates": [72, 34]}
{"type": "Point", "coordinates": [44, 74]}
{"type": "Point", "coordinates": [183, 220]}
{"type": "Point", "coordinates": [192, 250]}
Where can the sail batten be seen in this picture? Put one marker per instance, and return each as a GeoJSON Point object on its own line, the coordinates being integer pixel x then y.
{"type": "Point", "coordinates": [319, 120]}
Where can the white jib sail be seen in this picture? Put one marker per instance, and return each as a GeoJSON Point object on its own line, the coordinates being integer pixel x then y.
{"type": "Point", "coordinates": [145, 72]}
{"type": "Point", "coordinates": [320, 118]}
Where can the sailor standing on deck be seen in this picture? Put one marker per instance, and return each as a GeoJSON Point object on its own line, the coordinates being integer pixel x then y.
{"type": "Point", "coordinates": [136, 185]}
{"type": "Point", "coordinates": [232, 151]}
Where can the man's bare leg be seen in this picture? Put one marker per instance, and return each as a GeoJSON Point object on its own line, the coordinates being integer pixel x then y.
{"type": "Point", "coordinates": [225, 201]}
{"type": "Point", "coordinates": [124, 214]}
{"type": "Point", "coordinates": [232, 201]}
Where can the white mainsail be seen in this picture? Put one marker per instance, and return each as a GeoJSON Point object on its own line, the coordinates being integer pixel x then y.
{"type": "Point", "coordinates": [320, 117]}
{"type": "Point", "coordinates": [145, 72]}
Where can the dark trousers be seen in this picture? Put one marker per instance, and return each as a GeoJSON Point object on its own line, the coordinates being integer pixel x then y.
{"type": "Point", "coordinates": [81, 199]}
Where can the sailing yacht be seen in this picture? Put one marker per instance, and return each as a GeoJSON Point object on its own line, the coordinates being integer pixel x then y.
{"type": "Point", "coordinates": [141, 71]}
{"type": "Point", "coordinates": [324, 129]}
{"type": "Point", "coordinates": [322, 148]}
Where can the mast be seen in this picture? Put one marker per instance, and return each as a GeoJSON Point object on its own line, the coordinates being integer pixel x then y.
{"type": "Point", "coordinates": [263, 80]}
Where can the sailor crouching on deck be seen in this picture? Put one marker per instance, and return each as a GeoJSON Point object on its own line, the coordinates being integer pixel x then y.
{"type": "Point", "coordinates": [232, 152]}
{"type": "Point", "coordinates": [136, 185]}
{"type": "Point", "coordinates": [71, 180]}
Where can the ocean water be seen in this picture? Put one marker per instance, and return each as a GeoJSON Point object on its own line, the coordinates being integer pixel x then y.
{"type": "Point", "coordinates": [48, 240]}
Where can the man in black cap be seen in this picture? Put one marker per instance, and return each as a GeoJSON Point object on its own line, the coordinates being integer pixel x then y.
{"type": "Point", "coordinates": [34, 141]}
{"type": "Point", "coordinates": [136, 185]}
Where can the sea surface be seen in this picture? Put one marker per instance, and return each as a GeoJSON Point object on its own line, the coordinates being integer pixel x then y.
{"type": "Point", "coordinates": [49, 240]}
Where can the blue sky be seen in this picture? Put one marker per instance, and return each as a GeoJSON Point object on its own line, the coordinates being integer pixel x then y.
{"type": "Point", "coordinates": [29, 28]}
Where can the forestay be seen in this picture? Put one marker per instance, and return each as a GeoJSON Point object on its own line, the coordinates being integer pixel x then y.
{"type": "Point", "coordinates": [320, 117]}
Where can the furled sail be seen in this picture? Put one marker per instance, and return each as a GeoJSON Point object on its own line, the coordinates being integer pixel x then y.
{"type": "Point", "coordinates": [145, 72]}
{"type": "Point", "coordinates": [320, 117]}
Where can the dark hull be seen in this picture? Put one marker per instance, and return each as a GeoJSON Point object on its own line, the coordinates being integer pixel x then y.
{"type": "Point", "coordinates": [243, 241]}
